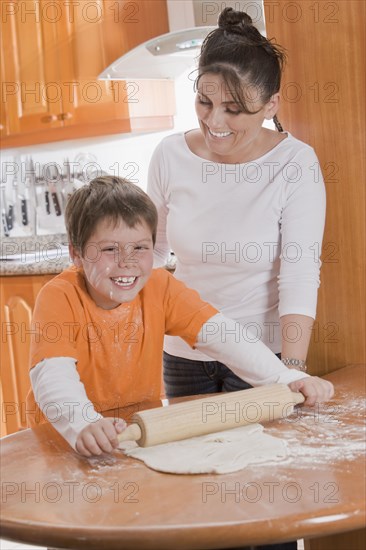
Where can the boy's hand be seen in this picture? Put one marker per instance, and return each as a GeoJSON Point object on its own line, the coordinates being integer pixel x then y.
{"type": "Point", "coordinates": [316, 390]}
{"type": "Point", "coordinates": [100, 437]}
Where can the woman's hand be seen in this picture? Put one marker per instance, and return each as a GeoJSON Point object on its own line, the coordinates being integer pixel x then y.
{"type": "Point", "coordinates": [100, 437]}
{"type": "Point", "coordinates": [316, 390]}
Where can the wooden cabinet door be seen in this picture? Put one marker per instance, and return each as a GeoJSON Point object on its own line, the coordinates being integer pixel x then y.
{"type": "Point", "coordinates": [99, 33]}
{"type": "Point", "coordinates": [30, 88]}
{"type": "Point", "coordinates": [18, 295]}
{"type": "Point", "coordinates": [87, 100]}
{"type": "Point", "coordinates": [52, 60]}
{"type": "Point", "coordinates": [4, 126]}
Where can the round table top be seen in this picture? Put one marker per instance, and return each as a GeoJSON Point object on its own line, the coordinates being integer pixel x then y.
{"type": "Point", "coordinates": [53, 497]}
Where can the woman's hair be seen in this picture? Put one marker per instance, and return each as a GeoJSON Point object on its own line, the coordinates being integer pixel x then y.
{"type": "Point", "coordinates": [107, 198]}
{"type": "Point", "coordinates": [246, 60]}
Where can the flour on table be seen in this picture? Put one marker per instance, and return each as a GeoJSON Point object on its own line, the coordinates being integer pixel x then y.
{"type": "Point", "coordinates": [217, 453]}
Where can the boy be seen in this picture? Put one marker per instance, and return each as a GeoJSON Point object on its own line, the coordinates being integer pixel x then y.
{"type": "Point", "coordinates": [98, 327]}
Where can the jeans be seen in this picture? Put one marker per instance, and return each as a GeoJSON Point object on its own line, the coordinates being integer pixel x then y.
{"type": "Point", "coordinates": [184, 377]}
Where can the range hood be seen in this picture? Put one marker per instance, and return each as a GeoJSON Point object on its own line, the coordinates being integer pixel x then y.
{"type": "Point", "coordinates": [170, 55]}
{"type": "Point", "coordinates": [166, 56]}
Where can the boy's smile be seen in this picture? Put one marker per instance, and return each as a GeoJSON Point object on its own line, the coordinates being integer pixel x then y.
{"type": "Point", "coordinates": [117, 262]}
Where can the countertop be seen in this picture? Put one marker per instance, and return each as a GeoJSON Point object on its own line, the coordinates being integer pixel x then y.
{"type": "Point", "coordinates": [40, 255]}
{"type": "Point", "coordinates": [34, 255]}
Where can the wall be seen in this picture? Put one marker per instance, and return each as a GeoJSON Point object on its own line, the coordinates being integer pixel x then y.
{"type": "Point", "coordinates": [323, 104]}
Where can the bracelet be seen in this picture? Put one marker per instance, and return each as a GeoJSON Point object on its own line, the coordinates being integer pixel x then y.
{"type": "Point", "coordinates": [294, 363]}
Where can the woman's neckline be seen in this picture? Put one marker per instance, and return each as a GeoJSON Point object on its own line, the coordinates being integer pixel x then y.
{"type": "Point", "coordinates": [184, 134]}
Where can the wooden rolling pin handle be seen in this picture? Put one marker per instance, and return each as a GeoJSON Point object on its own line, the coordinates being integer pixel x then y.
{"type": "Point", "coordinates": [131, 433]}
{"type": "Point", "coordinates": [298, 397]}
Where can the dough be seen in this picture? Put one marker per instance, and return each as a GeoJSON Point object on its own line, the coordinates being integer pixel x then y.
{"type": "Point", "coordinates": [217, 453]}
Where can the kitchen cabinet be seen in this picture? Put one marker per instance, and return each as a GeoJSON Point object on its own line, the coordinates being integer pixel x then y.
{"type": "Point", "coordinates": [17, 298]}
{"type": "Point", "coordinates": [52, 53]}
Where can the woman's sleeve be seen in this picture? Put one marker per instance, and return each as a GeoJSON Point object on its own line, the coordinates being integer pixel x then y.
{"type": "Point", "coordinates": [227, 341]}
{"type": "Point", "coordinates": [302, 227]}
{"type": "Point", "coordinates": [157, 189]}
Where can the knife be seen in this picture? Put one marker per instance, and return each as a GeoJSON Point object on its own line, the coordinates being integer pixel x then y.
{"type": "Point", "coordinates": [5, 223]}
{"type": "Point", "coordinates": [55, 201]}
{"type": "Point", "coordinates": [69, 183]}
{"type": "Point", "coordinates": [52, 177]}
{"type": "Point", "coordinates": [10, 216]}
{"type": "Point", "coordinates": [8, 209]}
{"type": "Point", "coordinates": [23, 209]}
{"type": "Point", "coordinates": [33, 181]}
{"type": "Point", "coordinates": [47, 202]}
{"type": "Point", "coordinates": [4, 217]}
{"type": "Point", "coordinates": [12, 204]}
{"type": "Point", "coordinates": [22, 195]}
{"type": "Point", "coordinates": [30, 183]}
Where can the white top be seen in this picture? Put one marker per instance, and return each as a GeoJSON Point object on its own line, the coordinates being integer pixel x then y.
{"type": "Point", "coordinates": [246, 236]}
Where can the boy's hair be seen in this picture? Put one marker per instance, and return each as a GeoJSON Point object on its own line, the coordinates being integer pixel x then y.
{"type": "Point", "coordinates": [107, 198]}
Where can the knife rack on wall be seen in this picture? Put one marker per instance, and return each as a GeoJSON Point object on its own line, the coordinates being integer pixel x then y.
{"type": "Point", "coordinates": [34, 196]}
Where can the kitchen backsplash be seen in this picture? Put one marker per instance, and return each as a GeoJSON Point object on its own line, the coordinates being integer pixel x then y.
{"type": "Point", "coordinates": [36, 181]}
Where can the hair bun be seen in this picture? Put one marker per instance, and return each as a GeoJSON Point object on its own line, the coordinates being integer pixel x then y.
{"type": "Point", "coordinates": [234, 21]}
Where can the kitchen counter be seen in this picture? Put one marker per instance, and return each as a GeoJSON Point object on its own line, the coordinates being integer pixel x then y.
{"type": "Point", "coordinates": [34, 255]}
{"type": "Point", "coordinates": [41, 255]}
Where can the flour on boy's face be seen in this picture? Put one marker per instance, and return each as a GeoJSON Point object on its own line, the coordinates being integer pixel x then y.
{"type": "Point", "coordinates": [117, 262]}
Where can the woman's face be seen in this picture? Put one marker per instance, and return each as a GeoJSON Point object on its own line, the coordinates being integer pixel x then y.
{"type": "Point", "coordinates": [231, 135]}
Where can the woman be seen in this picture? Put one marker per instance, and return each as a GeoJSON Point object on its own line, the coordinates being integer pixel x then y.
{"type": "Point", "coordinates": [242, 207]}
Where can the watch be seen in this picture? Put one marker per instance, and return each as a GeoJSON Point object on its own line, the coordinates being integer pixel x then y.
{"type": "Point", "coordinates": [294, 363]}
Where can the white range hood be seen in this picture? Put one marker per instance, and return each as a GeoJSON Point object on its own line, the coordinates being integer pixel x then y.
{"type": "Point", "coordinates": [169, 55]}
{"type": "Point", "coordinates": [166, 56]}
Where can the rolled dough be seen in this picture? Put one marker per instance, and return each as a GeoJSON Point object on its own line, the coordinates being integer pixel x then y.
{"type": "Point", "coordinates": [218, 453]}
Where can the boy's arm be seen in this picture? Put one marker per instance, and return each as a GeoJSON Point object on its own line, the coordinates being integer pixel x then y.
{"type": "Point", "coordinates": [62, 398]}
{"type": "Point", "coordinates": [230, 343]}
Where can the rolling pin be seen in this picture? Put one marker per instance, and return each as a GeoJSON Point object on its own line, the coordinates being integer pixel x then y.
{"type": "Point", "coordinates": [211, 414]}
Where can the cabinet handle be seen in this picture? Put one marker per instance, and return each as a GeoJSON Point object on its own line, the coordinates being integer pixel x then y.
{"type": "Point", "coordinates": [64, 116]}
{"type": "Point", "coordinates": [48, 118]}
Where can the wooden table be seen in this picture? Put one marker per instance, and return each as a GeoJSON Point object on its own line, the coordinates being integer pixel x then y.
{"type": "Point", "coordinates": [53, 497]}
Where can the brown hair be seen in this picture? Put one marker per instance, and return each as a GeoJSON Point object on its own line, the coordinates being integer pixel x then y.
{"type": "Point", "coordinates": [241, 55]}
{"type": "Point", "coordinates": [111, 198]}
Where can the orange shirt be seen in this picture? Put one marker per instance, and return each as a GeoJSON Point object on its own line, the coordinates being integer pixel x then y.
{"type": "Point", "coordinates": [118, 351]}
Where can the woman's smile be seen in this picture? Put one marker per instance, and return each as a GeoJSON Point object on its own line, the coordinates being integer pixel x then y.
{"type": "Point", "coordinates": [219, 135]}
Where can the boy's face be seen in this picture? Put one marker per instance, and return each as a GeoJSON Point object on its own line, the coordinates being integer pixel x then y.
{"type": "Point", "coordinates": [117, 262]}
